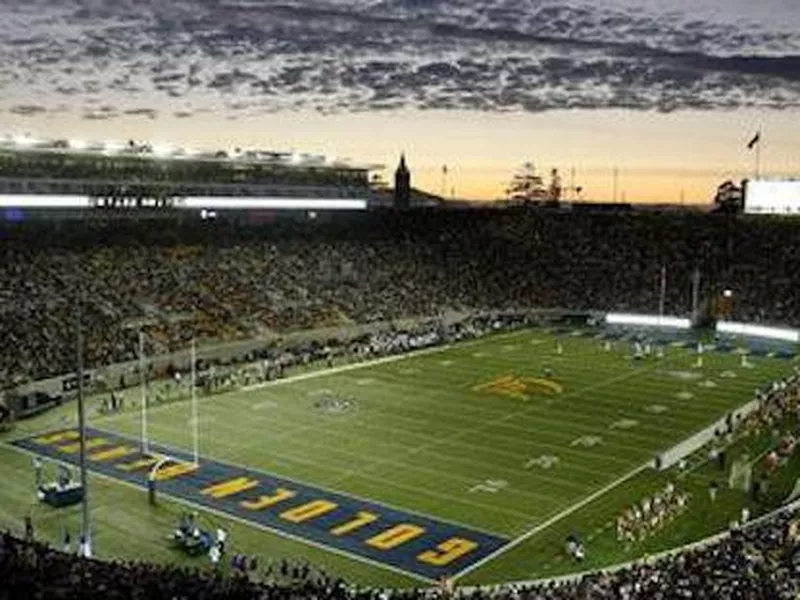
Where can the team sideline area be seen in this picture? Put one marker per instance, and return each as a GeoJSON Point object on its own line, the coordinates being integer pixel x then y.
{"type": "Point", "coordinates": [470, 462]}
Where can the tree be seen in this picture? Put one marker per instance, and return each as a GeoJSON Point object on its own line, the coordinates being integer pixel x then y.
{"type": "Point", "coordinates": [729, 197]}
{"type": "Point", "coordinates": [526, 186]}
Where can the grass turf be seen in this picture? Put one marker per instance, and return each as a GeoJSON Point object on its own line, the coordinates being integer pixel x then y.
{"type": "Point", "coordinates": [426, 433]}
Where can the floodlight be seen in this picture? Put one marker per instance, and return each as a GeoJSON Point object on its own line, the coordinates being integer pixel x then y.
{"type": "Point", "coordinates": [24, 141]}
{"type": "Point", "coordinates": [112, 147]}
{"type": "Point", "coordinates": [162, 150]}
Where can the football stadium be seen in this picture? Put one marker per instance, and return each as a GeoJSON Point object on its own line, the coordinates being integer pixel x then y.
{"type": "Point", "coordinates": [246, 375]}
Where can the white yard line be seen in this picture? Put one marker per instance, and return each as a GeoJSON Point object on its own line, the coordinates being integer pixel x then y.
{"type": "Point", "coordinates": [327, 488]}
{"type": "Point", "coordinates": [331, 371]}
{"type": "Point", "coordinates": [648, 559]}
{"type": "Point", "coordinates": [473, 430]}
{"type": "Point", "coordinates": [551, 521]}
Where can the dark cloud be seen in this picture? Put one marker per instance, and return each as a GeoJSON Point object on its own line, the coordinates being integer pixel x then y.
{"type": "Point", "coordinates": [150, 113]}
{"type": "Point", "coordinates": [27, 110]}
{"type": "Point", "coordinates": [333, 55]}
{"type": "Point", "coordinates": [97, 116]}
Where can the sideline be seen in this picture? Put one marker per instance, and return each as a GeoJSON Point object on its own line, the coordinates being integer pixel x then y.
{"type": "Point", "coordinates": [699, 544]}
{"type": "Point", "coordinates": [377, 361]}
{"type": "Point", "coordinates": [552, 520]}
{"type": "Point", "coordinates": [227, 516]}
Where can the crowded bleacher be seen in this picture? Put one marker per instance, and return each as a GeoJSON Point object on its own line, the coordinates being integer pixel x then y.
{"type": "Point", "coordinates": [222, 282]}
{"type": "Point", "coordinates": [758, 561]}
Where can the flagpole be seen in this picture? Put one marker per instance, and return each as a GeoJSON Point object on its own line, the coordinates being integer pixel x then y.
{"type": "Point", "coordinates": [758, 157]}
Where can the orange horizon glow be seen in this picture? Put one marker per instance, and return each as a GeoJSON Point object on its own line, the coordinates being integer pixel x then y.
{"type": "Point", "coordinates": [660, 158]}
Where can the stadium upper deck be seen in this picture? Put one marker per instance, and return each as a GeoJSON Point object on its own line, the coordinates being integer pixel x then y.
{"type": "Point", "coordinates": [140, 172]}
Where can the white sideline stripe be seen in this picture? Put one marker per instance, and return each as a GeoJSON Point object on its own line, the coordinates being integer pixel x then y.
{"type": "Point", "coordinates": [551, 521]}
{"type": "Point", "coordinates": [224, 515]}
{"type": "Point", "coordinates": [324, 372]}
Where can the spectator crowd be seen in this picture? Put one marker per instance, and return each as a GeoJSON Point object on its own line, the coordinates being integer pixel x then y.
{"type": "Point", "coordinates": [223, 282]}
{"type": "Point", "coordinates": [220, 282]}
{"type": "Point", "coordinates": [754, 562]}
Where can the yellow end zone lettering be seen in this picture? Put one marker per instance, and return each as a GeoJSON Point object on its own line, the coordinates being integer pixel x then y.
{"type": "Point", "coordinates": [142, 463]}
{"type": "Point", "coordinates": [112, 453]}
{"type": "Point", "coordinates": [308, 511]}
{"type": "Point", "coordinates": [361, 519]}
{"type": "Point", "coordinates": [447, 552]}
{"type": "Point", "coordinates": [173, 471]}
{"type": "Point", "coordinates": [396, 536]}
{"type": "Point", "coordinates": [54, 438]}
{"type": "Point", "coordinates": [263, 502]}
{"type": "Point", "coordinates": [90, 444]}
{"type": "Point", "coordinates": [230, 487]}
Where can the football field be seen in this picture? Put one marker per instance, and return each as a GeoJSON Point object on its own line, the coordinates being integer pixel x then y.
{"type": "Point", "coordinates": [446, 462]}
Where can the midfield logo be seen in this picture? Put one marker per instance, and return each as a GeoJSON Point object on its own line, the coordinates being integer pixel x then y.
{"type": "Point", "coordinates": [519, 388]}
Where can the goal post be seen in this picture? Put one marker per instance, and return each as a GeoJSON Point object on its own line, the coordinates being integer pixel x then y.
{"type": "Point", "coordinates": [143, 388]}
{"type": "Point", "coordinates": [193, 401]}
{"type": "Point", "coordinates": [146, 390]}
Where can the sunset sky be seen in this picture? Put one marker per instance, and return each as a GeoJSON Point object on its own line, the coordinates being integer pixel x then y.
{"type": "Point", "coordinates": [667, 91]}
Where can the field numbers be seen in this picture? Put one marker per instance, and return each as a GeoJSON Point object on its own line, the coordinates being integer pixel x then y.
{"type": "Point", "coordinates": [490, 486]}
{"type": "Point", "coordinates": [624, 424]}
{"type": "Point", "coordinates": [545, 461]}
{"type": "Point", "coordinates": [587, 441]}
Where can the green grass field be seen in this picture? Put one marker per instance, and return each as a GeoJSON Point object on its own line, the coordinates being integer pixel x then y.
{"type": "Point", "coordinates": [476, 433]}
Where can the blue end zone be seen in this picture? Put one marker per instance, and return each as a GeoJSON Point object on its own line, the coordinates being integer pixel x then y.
{"type": "Point", "coordinates": [405, 541]}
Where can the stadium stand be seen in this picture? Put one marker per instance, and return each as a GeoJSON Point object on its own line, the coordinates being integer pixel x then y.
{"type": "Point", "coordinates": [752, 562]}
{"type": "Point", "coordinates": [222, 281]}
{"type": "Point", "coordinates": [225, 282]}
{"type": "Point", "coordinates": [47, 167]}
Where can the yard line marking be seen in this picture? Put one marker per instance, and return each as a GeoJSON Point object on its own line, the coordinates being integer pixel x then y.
{"type": "Point", "coordinates": [374, 362]}
{"type": "Point", "coordinates": [647, 559]}
{"type": "Point", "coordinates": [472, 430]}
{"type": "Point", "coordinates": [523, 412]}
{"type": "Point", "coordinates": [335, 370]}
{"type": "Point", "coordinates": [264, 404]}
{"type": "Point", "coordinates": [328, 488]}
{"type": "Point", "coordinates": [285, 456]}
{"type": "Point", "coordinates": [226, 516]}
{"type": "Point", "coordinates": [456, 459]}
{"type": "Point", "coordinates": [552, 520]}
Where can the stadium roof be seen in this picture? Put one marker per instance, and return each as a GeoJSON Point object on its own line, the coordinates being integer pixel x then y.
{"type": "Point", "coordinates": [169, 152]}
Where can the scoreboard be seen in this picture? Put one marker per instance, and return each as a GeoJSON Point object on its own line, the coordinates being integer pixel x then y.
{"type": "Point", "coordinates": [772, 197]}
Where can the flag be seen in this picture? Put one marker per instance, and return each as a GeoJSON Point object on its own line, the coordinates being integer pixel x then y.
{"type": "Point", "coordinates": [754, 141]}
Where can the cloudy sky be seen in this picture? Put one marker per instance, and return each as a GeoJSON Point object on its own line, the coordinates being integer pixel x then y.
{"type": "Point", "coordinates": [666, 91]}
